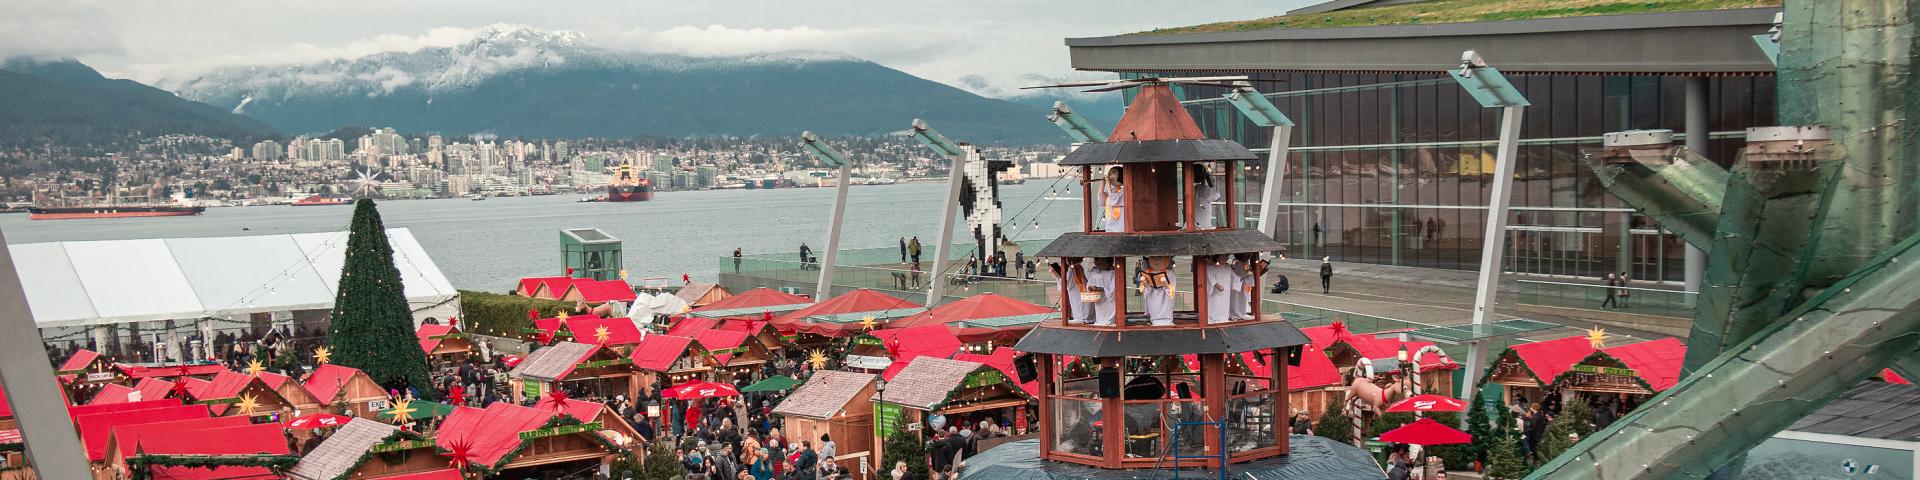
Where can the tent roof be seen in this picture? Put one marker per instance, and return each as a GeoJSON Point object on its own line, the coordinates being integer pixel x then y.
{"type": "Point", "coordinates": [824, 394]}
{"type": "Point", "coordinates": [1656, 362]}
{"type": "Point", "coordinates": [755, 298]}
{"type": "Point", "coordinates": [80, 283]}
{"type": "Point", "coordinates": [1548, 359]}
{"type": "Point", "coordinates": [862, 300]}
{"type": "Point", "coordinates": [977, 307]}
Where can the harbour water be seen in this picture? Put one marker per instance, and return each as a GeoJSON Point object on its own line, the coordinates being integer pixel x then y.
{"type": "Point", "coordinates": [486, 245]}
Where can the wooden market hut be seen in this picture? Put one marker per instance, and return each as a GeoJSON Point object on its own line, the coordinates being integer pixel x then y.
{"type": "Point", "coordinates": [443, 342]}
{"type": "Point", "coordinates": [670, 359]}
{"type": "Point", "coordinates": [734, 352]}
{"type": "Point", "coordinates": [613, 428]}
{"type": "Point", "coordinates": [762, 330]}
{"type": "Point", "coordinates": [835, 403]}
{"type": "Point", "coordinates": [596, 292]}
{"type": "Point", "coordinates": [1632, 370]}
{"type": "Point", "coordinates": [334, 385]}
{"type": "Point", "coordinates": [876, 350]}
{"type": "Point", "coordinates": [1527, 369]}
{"type": "Point", "coordinates": [1382, 350]}
{"type": "Point", "coordinates": [986, 320]}
{"type": "Point", "coordinates": [929, 386]}
{"type": "Point", "coordinates": [146, 389]}
{"type": "Point", "coordinates": [699, 294]}
{"type": "Point", "coordinates": [618, 333]}
{"type": "Point", "coordinates": [844, 316]}
{"type": "Point", "coordinates": [345, 454]}
{"type": "Point", "coordinates": [85, 372]}
{"type": "Point", "coordinates": [96, 423]}
{"type": "Point", "coordinates": [197, 439]}
{"type": "Point", "coordinates": [755, 303]}
{"type": "Point", "coordinates": [303, 401]}
{"type": "Point", "coordinates": [511, 441]}
{"type": "Point", "coordinates": [574, 362]}
{"type": "Point", "coordinates": [548, 288]}
{"type": "Point", "coordinates": [237, 394]}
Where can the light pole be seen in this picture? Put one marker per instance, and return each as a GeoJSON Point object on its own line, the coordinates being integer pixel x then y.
{"type": "Point", "coordinates": [1491, 89]}
{"type": "Point", "coordinates": [830, 157]}
{"type": "Point", "coordinates": [959, 155]}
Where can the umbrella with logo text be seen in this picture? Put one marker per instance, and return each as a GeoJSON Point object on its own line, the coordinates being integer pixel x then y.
{"type": "Point", "coordinates": [317, 420]}
{"type": "Point", "coordinates": [1425, 431]}
{"type": "Point", "coordinates": [1428, 403]}
{"type": "Point", "coordinates": [698, 389]}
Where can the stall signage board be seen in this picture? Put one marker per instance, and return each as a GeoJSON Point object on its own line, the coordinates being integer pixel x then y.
{"type": "Point", "coordinates": [886, 418]}
{"type": "Point", "coordinates": [100, 377]}
{"type": "Point", "coordinates": [1622, 372]}
{"type": "Point", "coordinates": [558, 431]}
{"type": "Point", "coordinates": [378, 405]}
{"type": "Point", "coordinates": [606, 363]}
{"type": "Point", "coordinates": [402, 445]}
{"type": "Point", "coordinates": [533, 389]}
{"type": "Point", "coordinates": [866, 340]}
{"type": "Point", "coordinates": [984, 378]}
{"type": "Point", "coordinates": [868, 362]}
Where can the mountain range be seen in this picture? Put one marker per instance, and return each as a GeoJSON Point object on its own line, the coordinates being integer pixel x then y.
{"type": "Point", "coordinates": [65, 102]}
{"type": "Point", "coordinates": [521, 81]}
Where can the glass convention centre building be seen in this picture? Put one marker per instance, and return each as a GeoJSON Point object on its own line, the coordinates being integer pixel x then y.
{"type": "Point", "coordinates": [1390, 161]}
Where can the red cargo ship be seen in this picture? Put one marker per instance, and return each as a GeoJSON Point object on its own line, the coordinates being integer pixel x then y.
{"type": "Point", "coordinates": [629, 186]}
{"type": "Point", "coordinates": [321, 200]}
{"type": "Point", "coordinates": [111, 211]}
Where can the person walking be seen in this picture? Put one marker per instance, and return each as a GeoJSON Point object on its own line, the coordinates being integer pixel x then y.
{"type": "Point", "coordinates": [1611, 301]}
{"type": "Point", "coordinates": [806, 255]}
{"type": "Point", "coordinates": [736, 259]}
{"type": "Point", "coordinates": [903, 249]}
{"type": "Point", "coordinates": [1326, 275]}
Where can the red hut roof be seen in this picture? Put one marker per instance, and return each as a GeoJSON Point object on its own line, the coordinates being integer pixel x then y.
{"type": "Point", "coordinates": [759, 297]}
{"type": "Point", "coordinates": [441, 474]}
{"type": "Point", "coordinates": [620, 331]}
{"type": "Point", "coordinates": [685, 326]}
{"type": "Point", "coordinates": [426, 333]}
{"type": "Point", "coordinates": [266, 438]}
{"type": "Point", "coordinates": [328, 380]}
{"type": "Point", "coordinates": [600, 291]}
{"type": "Point", "coordinates": [716, 339]}
{"type": "Point", "coordinates": [147, 389]}
{"type": "Point", "coordinates": [79, 360]}
{"type": "Point", "coordinates": [531, 285]}
{"type": "Point", "coordinates": [1656, 362]}
{"type": "Point", "coordinates": [1893, 377]}
{"type": "Point", "coordinates": [1550, 358]}
{"type": "Point", "coordinates": [169, 371]}
{"type": "Point", "coordinates": [1376, 348]}
{"type": "Point", "coordinates": [492, 433]}
{"type": "Point", "coordinates": [929, 340]}
{"type": "Point", "coordinates": [1156, 115]}
{"type": "Point", "coordinates": [129, 440]}
{"type": "Point", "coordinates": [94, 428]}
{"type": "Point", "coordinates": [658, 352]}
{"type": "Point", "coordinates": [582, 410]}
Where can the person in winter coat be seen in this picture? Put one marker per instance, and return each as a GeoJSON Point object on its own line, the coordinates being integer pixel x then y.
{"type": "Point", "coordinates": [1326, 275]}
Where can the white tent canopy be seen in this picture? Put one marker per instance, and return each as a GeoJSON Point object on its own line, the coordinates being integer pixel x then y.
{"type": "Point", "coordinates": [80, 283]}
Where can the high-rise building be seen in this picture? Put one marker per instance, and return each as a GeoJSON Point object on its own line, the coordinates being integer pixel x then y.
{"type": "Point", "coordinates": [560, 151]}
{"type": "Point", "coordinates": [268, 150]}
{"type": "Point", "coordinates": [434, 142]}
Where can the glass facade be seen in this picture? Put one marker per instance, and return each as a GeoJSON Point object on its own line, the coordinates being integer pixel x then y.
{"type": "Point", "coordinates": [1393, 168]}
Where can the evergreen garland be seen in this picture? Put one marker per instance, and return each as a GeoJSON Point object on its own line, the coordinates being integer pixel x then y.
{"type": "Point", "coordinates": [142, 464]}
{"type": "Point", "coordinates": [372, 326]}
{"type": "Point", "coordinates": [904, 446]}
{"type": "Point", "coordinates": [1333, 422]}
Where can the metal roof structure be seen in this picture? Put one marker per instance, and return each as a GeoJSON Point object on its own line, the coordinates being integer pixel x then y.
{"type": "Point", "coordinates": [79, 283]}
{"type": "Point", "coordinates": [1886, 411]}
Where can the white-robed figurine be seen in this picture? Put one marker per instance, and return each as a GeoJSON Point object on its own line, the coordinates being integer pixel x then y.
{"type": "Point", "coordinates": [1100, 278]}
{"type": "Point", "coordinates": [1156, 289]}
{"type": "Point", "coordinates": [1113, 191]}
{"type": "Point", "coordinates": [1220, 287]}
{"type": "Point", "coordinates": [1246, 269]}
{"type": "Point", "coordinates": [1072, 280]}
{"type": "Point", "coordinates": [1203, 197]}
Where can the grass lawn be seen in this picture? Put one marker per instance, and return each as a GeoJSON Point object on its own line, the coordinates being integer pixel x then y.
{"type": "Point", "coordinates": [1457, 11]}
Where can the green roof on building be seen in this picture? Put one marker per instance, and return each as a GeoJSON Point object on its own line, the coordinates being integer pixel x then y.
{"type": "Point", "coordinates": [1462, 11]}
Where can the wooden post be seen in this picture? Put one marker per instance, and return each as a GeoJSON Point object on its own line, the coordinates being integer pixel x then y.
{"type": "Point", "coordinates": [1228, 173]}
{"type": "Point", "coordinates": [1119, 292]}
{"type": "Point", "coordinates": [1047, 389]}
{"type": "Point", "coordinates": [1200, 285]}
{"type": "Point", "coordinates": [1213, 381]}
{"type": "Point", "coordinates": [1186, 197]}
{"type": "Point", "coordinates": [1113, 416]}
{"type": "Point", "coordinates": [1281, 406]}
{"type": "Point", "coordinates": [1086, 198]}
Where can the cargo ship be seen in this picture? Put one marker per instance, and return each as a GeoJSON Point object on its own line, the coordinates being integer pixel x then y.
{"type": "Point", "coordinates": [322, 200]}
{"type": "Point", "coordinates": [111, 211]}
{"type": "Point", "coordinates": [629, 186]}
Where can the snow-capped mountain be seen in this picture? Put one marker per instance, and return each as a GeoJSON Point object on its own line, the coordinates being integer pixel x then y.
{"type": "Point", "coordinates": [517, 80]}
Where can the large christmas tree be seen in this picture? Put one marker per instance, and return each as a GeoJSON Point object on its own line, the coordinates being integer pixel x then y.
{"type": "Point", "coordinates": [372, 327]}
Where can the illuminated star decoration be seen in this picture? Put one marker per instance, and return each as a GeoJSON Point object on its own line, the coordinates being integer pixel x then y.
{"type": "Point", "coordinates": [365, 180]}
{"type": "Point", "coordinates": [247, 404]}
{"type": "Point", "coordinates": [254, 368]}
{"type": "Point", "coordinates": [600, 334]}
{"type": "Point", "coordinates": [453, 322]}
{"type": "Point", "coordinates": [533, 314]}
{"type": "Point", "coordinates": [556, 398]}
{"type": "Point", "coordinates": [402, 412]}
{"type": "Point", "coordinates": [1597, 337]}
{"type": "Point", "coordinates": [546, 337]}
{"type": "Point", "coordinates": [868, 323]}
{"type": "Point", "coordinates": [459, 454]}
{"type": "Point", "coordinates": [320, 354]}
{"type": "Point", "coordinates": [817, 358]}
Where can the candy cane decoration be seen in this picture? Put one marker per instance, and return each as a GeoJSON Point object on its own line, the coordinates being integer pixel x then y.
{"type": "Point", "coordinates": [1419, 386]}
{"type": "Point", "coordinates": [1356, 407]}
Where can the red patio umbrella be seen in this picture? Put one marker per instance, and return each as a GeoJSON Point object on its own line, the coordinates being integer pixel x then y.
{"type": "Point", "coordinates": [697, 389]}
{"type": "Point", "coordinates": [1428, 403]}
{"type": "Point", "coordinates": [512, 360]}
{"type": "Point", "coordinates": [317, 420]}
{"type": "Point", "coordinates": [1425, 431]}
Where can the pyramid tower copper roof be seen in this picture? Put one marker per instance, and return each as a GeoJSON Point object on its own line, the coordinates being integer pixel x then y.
{"type": "Point", "coordinates": [1156, 115]}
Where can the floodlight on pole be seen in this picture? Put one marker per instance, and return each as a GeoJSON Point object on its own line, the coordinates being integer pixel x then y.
{"type": "Point", "coordinates": [934, 140]}
{"type": "Point", "coordinates": [1260, 111]}
{"type": "Point", "coordinates": [1075, 125]}
{"type": "Point", "coordinates": [956, 176]}
{"type": "Point", "coordinates": [823, 287]}
{"type": "Point", "coordinates": [819, 149]}
{"type": "Point", "coordinates": [1492, 90]}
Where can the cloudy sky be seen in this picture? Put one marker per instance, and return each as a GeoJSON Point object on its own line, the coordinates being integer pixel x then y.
{"type": "Point", "coordinates": [939, 40]}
